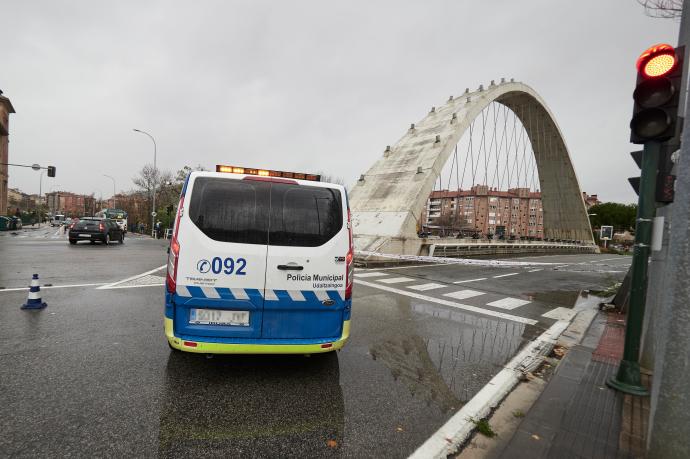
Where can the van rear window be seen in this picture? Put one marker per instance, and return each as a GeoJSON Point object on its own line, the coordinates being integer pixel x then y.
{"type": "Point", "coordinates": [239, 211]}
{"type": "Point", "coordinates": [304, 216]}
{"type": "Point", "coordinates": [231, 210]}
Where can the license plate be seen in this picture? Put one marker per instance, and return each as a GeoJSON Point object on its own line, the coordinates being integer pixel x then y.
{"type": "Point", "coordinates": [84, 235]}
{"type": "Point", "coordinates": [218, 317]}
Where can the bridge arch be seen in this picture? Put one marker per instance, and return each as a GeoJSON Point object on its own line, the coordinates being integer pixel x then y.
{"type": "Point", "coordinates": [387, 201]}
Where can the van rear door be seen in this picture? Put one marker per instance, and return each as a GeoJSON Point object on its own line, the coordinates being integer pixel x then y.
{"type": "Point", "coordinates": [305, 271]}
{"type": "Point", "coordinates": [222, 260]}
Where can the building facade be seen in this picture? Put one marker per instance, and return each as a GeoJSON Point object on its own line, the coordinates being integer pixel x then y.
{"type": "Point", "coordinates": [70, 204]}
{"type": "Point", "coordinates": [484, 211]}
{"type": "Point", "coordinates": [5, 110]}
{"type": "Point", "coordinates": [590, 199]}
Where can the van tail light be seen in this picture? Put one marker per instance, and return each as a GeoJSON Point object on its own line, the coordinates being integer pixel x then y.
{"type": "Point", "coordinates": [174, 254]}
{"type": "Point", "coordinates": [349, 260]}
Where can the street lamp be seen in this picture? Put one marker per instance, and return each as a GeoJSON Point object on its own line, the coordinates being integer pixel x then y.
{"type": "Point", "coordinates": [106, 175]}
{"type": "Point", "coordinates": [153, 216]}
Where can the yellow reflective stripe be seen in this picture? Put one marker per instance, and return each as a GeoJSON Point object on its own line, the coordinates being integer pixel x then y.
{"type": "Point", "coordinates": [225, 348]}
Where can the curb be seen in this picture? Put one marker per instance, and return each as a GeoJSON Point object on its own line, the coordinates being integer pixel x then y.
{"type": "Point", "coordinates": [453, 433]}
{"type": "Point", "coordinates": [451, 436]}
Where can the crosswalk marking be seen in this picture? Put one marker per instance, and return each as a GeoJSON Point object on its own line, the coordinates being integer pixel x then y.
{"type": "Point", "coordinates": [470, 280]}
{"type": "Point", "coordinates": [396, 280]}
{"type": "Point", "coordinates": [463, 294]}
{"type": "Point", "coordinates": [424, 287]}
{"type": "Point", "coordinates": [374, 274]}
{"type": "Point", "coordinates": [452, 304]}
{"type": "Point", "coordinates": [508, 303]}
{"type": "Point", "coordinates": [559, 313]}
{"type": "Point", "coordinates": [534, 270]}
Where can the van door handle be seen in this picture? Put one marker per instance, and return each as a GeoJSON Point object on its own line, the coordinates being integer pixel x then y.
{"type": "Point", "coordinates": [291, 267]}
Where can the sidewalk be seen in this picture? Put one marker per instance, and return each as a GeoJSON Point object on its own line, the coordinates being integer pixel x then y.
{"type": "Point", "coordinates": [577, 415]}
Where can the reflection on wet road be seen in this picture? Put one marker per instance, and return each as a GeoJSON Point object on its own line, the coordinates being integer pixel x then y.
{"type": "Point", "coordinates": [264, 406]}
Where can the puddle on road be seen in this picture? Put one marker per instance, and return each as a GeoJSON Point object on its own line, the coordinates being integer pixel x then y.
{"type": "Point", "coordinates": [451, 355]}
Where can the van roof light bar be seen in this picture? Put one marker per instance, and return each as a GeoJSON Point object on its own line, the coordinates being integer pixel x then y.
{"type": "Point", "coordinates": [267, 173]}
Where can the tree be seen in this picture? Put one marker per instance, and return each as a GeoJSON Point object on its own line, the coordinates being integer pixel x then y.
{"type": "Point", "coordinates": [330, 178]}
{"type": "Point", "coordinates": [620, 216]}
{"type": "Point", "coordinates": [662, 8]}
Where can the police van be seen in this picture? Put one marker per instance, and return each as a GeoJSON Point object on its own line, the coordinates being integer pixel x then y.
{"type": "Point", "coordinates": [260, 261]}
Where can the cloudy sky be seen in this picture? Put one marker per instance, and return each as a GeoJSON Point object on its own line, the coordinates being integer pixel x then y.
{"type": "Point", "coordinates": [302, 85]}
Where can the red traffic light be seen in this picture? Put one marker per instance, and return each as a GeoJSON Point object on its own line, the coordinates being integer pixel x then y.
{"type": "Point", "coordinates": [657, 61]}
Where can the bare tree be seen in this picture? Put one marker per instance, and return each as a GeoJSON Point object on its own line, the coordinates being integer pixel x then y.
{"type": "Point", "coordinates": [330, 178]}
{"type": "Point", "coordinates": [662, 8]}
{"type": "Point", "coordinates": [148, 176]}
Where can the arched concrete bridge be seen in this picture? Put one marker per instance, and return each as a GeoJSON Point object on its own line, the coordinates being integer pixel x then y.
{"type": "Point", "coordinates": [388, 200]}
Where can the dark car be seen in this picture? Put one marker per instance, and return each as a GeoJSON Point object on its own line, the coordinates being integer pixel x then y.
{"type": "Point", "coordinates": [96, 229]}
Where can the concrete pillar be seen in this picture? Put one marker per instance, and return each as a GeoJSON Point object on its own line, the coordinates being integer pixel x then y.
{"type": "Point", "coordinates": [5, 110]}
{"type": "Point", "coordinates": [669, 423]}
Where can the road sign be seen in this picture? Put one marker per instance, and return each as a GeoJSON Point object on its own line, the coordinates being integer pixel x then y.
{"type": "Point", "coordinates": [36, 167]}
{"type": "Point", "coordinates": [153, 214]}
{"type": "Point", "coordinates": [606, 233]}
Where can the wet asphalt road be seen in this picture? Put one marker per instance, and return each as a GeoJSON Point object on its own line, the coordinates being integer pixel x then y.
{"type": "Point", "coordinates": [92, 373]}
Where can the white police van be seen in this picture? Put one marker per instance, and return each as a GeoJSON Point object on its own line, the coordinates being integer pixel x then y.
{"type": "Point", "coordinates": [260, 261]}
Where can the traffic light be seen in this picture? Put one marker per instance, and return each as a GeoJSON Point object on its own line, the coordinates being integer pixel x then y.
{"type": "Point", "coordinates": [51, 171]}
{"type": "Point", "coordinates": [665, 181]}
{"type": "Point", "coordinates": [656, 96]}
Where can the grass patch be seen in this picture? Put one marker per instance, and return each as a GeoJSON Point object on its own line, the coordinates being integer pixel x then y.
{"type": "Point", "coordinates": [484, 427]}
{"type": "Point", "coordinates": [609, 291]}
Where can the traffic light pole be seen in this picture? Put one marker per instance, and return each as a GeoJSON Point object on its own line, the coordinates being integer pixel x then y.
{"type": "Point", "coordinates": [628, 378]}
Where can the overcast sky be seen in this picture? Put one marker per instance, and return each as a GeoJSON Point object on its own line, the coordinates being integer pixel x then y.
{"type": "Point", "coordinates": [302, 85]}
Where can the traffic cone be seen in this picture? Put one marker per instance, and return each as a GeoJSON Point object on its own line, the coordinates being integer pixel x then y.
{"type": "Point", "coordinates": [34, 300]}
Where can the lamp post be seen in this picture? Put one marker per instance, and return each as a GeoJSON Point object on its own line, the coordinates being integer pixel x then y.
{"type": "Point", "coordinates": [155, 177]}
{"type": "Point", "coordinates": [40, 204]}
{"type": "Point", "coordinates": [106, 175]}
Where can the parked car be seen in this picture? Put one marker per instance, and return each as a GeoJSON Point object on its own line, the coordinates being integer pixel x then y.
{"type": "Point", "coordinates": [96, 229]}
{"type": "Point", "coordinates": [57, 220]}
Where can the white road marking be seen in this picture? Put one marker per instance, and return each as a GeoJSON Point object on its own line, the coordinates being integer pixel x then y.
{"type": "Point", "coordinates": [139, 286]}
{"type": "Point", "coordinates": [470, 280]}
{"type": "Point", "coordinates": [107, 286]}
{"type": "Point", "coordinates": [396, 280]}
{"type": "Point", "coordinates": [463, 294]}
{"type": "Point", "coordinates": [508, 303]}
{"type": "Point", "coordinates": [607, 259]}
{"type": "Point", "coordinates": [452, 304]}
{"type": "Point", "coordinates": [50, 286]}
{"type": "Point", "coordinates": [534, 270]}
{"type": "Point", "coordinates": [374, 274]}
{"type": "Point", "coordinates": [560, 313]}
{"type": "Point", "coordinates": [506, 275]}
{"type": "Point", "coordinates": [456, 430]}
{"type": "Point", "coordinates": [560, 266]}
{"type": "Point", "coordinates": [425, 287]}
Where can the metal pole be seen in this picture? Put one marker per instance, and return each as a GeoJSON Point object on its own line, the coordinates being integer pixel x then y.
{"type": "Point", "coordinates": [105, 175]}
{"type": "Point", "coordinates": [628, 378]}
{"type": "Point", "coordinates": [40, 205]}
{"type": "Point", "coordinates": [155, 177]}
